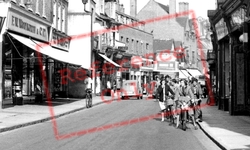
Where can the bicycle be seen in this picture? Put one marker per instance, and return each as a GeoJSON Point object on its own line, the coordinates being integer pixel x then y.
{"type": "Point", "coordinates": [88, 98]}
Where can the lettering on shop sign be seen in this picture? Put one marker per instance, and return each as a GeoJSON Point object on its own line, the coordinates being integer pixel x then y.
{"type": "Point", "coordinates": [28, 27]}
{"type": "Point", "coordinates": [58, 42]}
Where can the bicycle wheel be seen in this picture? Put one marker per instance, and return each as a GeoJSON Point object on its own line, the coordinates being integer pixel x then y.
{"type": "Point", "coordinates": [87, 101]}
{"type": "Point", "coordinates": [90, 101]}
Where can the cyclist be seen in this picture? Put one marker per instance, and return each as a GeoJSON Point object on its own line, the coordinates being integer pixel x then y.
{"type": "Point", "coordinates": [185, 93]}
{"type": "Point", "coordinates": [88, 82]}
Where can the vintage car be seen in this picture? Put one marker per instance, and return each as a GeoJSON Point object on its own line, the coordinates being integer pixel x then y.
{"type": "Point", "coordinates": [131, 88]}
{"type": "Point", "coordinates": [152, 89]}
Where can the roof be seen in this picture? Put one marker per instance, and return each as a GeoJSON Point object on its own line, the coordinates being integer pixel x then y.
{"type": "Point", "coordinates": [182, 21]}
{"type": "Point", "coordinates": [159, 45]}
{"type": "Point", "coordinates": [164, 7]}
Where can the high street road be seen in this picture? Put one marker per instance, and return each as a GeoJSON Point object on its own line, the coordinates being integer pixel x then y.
{"type": "Point", "coordinates": [151, 134]}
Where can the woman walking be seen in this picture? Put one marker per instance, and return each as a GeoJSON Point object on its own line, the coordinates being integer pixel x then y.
{"type": "Point", "coordinates": [163, 91]}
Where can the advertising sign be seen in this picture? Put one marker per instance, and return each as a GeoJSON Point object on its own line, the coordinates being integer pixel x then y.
{"type": "Point", "coordinates": [21, 24]}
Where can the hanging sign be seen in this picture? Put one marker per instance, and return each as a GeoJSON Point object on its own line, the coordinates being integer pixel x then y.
{"type": "Point", "coordinates": [221, 29]}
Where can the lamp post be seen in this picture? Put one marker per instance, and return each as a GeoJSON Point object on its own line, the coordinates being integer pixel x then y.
{"type": "Point", "coordinates": [91, 41]}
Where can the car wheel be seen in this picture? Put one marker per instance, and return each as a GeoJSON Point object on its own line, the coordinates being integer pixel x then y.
{"type": "Point", "coordinates": [138, 97]}
{"type": "Point", "coordinates": [141, 97]}
{"type": "Point", "coordinates": [122, 97]}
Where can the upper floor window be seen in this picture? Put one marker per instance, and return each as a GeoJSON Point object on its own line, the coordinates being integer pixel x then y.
{"type": "Point", "coordinates": [127, 40]}
{"type": "Point", "coordinates": [63, 19]}
{"type": "Point", "coordinates": [121, 39]}
{"type": "Point", "coordinates": [132, 45]}
{"type": "Point", "coordinates": [54, 14]}
{"type": "Point", "coordinates": [59, 17]}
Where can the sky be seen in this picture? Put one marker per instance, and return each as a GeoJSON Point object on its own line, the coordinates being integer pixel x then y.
{"type": "Point", "coordinates": [200, 7]}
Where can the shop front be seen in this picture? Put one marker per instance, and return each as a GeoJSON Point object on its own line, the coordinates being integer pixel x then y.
{"type": "Point", "coordinates": [30, 63]}
{"type": "Point", "coordinates": [24, 68]}
{"type": "Point", "coordinates": [166, 64]}
{"type": "Point", "coordinates": [232, 56]}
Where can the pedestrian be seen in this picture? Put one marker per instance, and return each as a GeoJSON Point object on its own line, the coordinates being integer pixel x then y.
{"type": "Point", "coordinates": [88, 84]}
{"type": "Point", "coordinates": [197, 91]}
{"type": "Point", "coordinates": [185, 94]}
{"type": "Point", "coordinates": [158, 83]}
{"type": "Point", "coordinates": [163, 91]}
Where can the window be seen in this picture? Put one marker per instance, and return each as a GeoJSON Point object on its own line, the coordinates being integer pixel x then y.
{"type": "Point", "coordinates": [63, 19]}
{"type": "Point", "coordinates": [137, 47]}
{"type": "Point", "coordinates": [59, 17]}
{"type": "Point", "coordinates": [147, 46]}
{"type": "Point", "coordinates": [54, 14]}
{"type": "Point", "coordinates": [141, 47]}
{"type": "Point", "coordinates": [193, 57]}
{"type": "Point", "coordinates": [127, 40]}
{"type": "Point", "coordinates": [132, 46]}
{"type": "Point", "coordinates": [121, 39]}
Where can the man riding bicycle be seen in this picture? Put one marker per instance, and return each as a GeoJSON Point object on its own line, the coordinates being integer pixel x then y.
{"type": "Point", "coordinates": [88, 87]}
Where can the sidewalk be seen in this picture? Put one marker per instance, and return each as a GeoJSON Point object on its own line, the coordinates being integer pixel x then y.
{"type": "Point", "coordinates": [28, 114]}
{"type": "Point", "coordinates": [229, 132]}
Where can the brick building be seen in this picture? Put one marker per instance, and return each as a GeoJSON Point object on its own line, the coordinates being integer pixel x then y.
{"type": "Point", "coordinates": [163, 29]}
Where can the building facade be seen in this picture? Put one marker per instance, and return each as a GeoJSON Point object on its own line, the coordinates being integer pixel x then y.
{"type": "Point", "coordinates": [230, 25]}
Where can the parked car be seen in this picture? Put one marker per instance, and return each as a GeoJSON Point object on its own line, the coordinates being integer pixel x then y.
{"type": "Point", "coordinates": [152, 88]}
{"type": "Point", "coordinates": [131, 88]}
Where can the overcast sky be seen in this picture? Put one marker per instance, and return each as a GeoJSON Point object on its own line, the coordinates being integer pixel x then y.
{"type": "Point", "coordinates": [199, 6]}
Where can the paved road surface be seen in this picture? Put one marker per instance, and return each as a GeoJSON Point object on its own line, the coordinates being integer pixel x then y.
{"type": "Point", "coordinates": [147, 135]}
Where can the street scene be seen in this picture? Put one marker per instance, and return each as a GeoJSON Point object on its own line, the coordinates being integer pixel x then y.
{"type": "Point", "coordinates": [124, 74]}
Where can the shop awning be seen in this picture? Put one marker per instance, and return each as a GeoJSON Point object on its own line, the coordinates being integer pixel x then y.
{"type": "Point", "coordinates": [185, 73]}
{"type": "Point", "coordinates": [46, 49]}
{"type": "Point", "coordinates": [109, 60]}
{"type": "Point", "coordinates": [182, 75]}
{"type": "Point", "coordinates": [194, 72]}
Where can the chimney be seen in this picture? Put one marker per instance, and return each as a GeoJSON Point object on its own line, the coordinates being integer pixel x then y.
{"type": "Point", "coordinates": [186, 6]}
{"type": "Point", "coordinates": [133, 8]}
{"type": "Point", "coordinates": [181, 7]}
{"type": "Point", "coordinates": [172, 6]}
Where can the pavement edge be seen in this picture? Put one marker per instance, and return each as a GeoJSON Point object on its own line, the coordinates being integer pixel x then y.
{"type": "Point", "coordinates": [5, 129]}
{"type": "Point", "coordinates": [212, 138]}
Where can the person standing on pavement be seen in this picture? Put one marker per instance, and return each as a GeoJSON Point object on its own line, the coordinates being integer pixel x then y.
{"type": "Point", "coordinates": [163, 91]}
{"type": "Point", "coordinates": [196, 88]}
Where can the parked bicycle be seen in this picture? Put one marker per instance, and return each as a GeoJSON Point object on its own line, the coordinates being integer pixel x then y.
{"type": "Point", "coordinates": [88, 98]}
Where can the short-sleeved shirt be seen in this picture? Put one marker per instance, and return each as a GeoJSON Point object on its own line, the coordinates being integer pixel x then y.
{"type": "Point", "coordinates": [88, 82]}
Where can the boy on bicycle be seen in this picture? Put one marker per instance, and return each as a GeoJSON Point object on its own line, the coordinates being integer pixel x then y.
{"type": "Point", "coordinates": [88, 83]}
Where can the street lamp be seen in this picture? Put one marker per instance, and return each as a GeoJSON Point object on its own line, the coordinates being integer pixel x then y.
{"type": "Point", "coordinates": [91, 35]}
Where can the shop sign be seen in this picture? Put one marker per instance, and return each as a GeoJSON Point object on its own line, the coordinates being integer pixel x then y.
{"type": "Point", "coordinates": [238, 17]}
{"type": "Point", "coordinates": [60, 41]}
{"type": "Point", "coordinates": [166, 65]}
{"type": "Point", "coordinates": [118, 73]}
{"type": "Point", "coordinates": [221, 29]}
{"type": "Point", "coordinates": [26, 26]}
